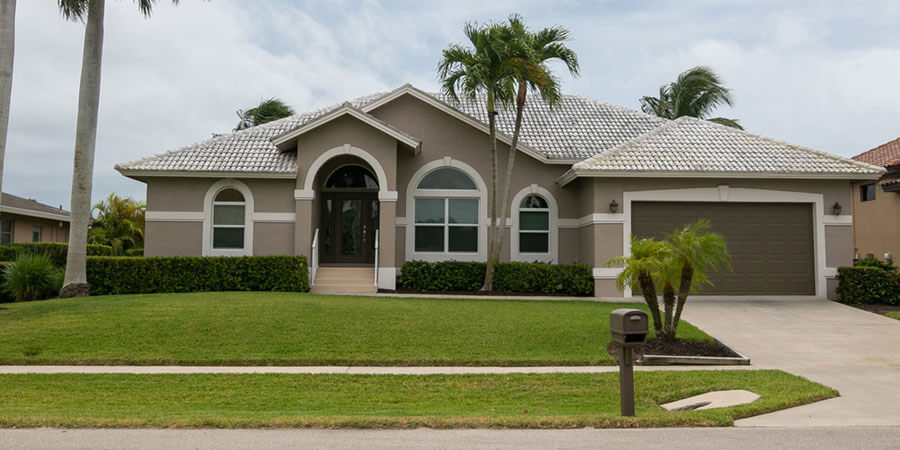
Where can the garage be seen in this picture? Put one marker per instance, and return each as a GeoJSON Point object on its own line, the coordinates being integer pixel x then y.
{"type": "Point", "coordinates": [771, 244]}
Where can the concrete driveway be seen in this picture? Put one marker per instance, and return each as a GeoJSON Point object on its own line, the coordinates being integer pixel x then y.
{"type": "Point", "coordinates": [853, 351]}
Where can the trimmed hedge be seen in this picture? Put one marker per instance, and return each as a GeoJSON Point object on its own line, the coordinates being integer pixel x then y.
{"type": "Point", "coordinates": [517, 277]}
{"type": "Point", "coordinates": [57, 251]}
{"type": "Point", "coordinates": [134, 252]}
{"type": "Point", "coordinates": [129, 275]}
{"type": "Point", "coordinates": [867, 284]}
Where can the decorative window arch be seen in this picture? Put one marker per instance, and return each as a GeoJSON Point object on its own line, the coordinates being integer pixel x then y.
{"type": "Point", "coordinates": [447, 206]}
{"type": "Point", "coordinates": [535, 226]}
{"type": "Point", "coordinates": [228, 219]}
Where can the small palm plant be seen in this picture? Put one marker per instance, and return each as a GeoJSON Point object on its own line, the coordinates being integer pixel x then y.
{"type": "Point", "coordinates": [32, 277]}
{"type": "Point", "coordinates": [678, 265]}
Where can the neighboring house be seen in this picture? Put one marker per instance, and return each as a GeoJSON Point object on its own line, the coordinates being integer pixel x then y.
{"type": "Point", "coordinates": [876, 205]}
{"type": "Point", "coordinates": [416, 167]}
{"type": "Point", "coordinates": [26, 220]}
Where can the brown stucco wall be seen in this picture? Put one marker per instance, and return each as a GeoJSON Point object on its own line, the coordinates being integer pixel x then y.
{"type": "Point", "coordinates": [187, 194]}
{"type": "Point", "coordinates": [51, 230]}
{"type": "Point", "coordinates": [876, 223]}
{"type": "Point", "coordinates": [271, 238]}
{"type": "Point", "coordinates": [839, 245]}
{"type": "Point", "coordinates": [173, 238]}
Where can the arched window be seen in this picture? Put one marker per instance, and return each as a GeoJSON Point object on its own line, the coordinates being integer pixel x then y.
{"type": "Point", "coordinates": [229, 210]}
{"type": "Point", "coordinates": [351, 177]}
{"type": "Point", "coordinates": [534, 225]}
{"type": "Point", "coordinates": [446, 213]}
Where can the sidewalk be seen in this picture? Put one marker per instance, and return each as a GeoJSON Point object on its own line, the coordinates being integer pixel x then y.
{"type": "Point", "coordinates": [359, 370]}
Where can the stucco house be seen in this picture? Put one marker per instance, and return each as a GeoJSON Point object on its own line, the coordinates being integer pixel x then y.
{"type": "Point", "coordinates": [27, 220]}
{"type": "Point", "coordinates": [404, 175]}
{"type": "Point", "coordinates": [876, 205]}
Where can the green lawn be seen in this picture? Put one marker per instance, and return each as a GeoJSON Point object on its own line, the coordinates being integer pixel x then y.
{"type": "Point", "coordinates": [893, 314]}
{"type": "Point", "coordinates": [255, 328]}
{"type": "Point", "coordinates": [440, 401]}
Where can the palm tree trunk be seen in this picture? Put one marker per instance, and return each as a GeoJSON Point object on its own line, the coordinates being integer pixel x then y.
{"type": "Point", "coordinates": [492, 228]}
{"type": "Point", "coordinates": [7, 49]}
{"type": "Point", "coordinates": [75, 282]}
{"type": "Point", "coordinates": [687, 275]}
{"type": "Point", "coordinates": [648, 289]}
{"type": "Point", "coordinates": [669, 304]}
{"type": "Point", "coordinates": [510, 162]}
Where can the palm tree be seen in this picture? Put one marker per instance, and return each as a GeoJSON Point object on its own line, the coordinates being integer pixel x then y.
{"type": "Point", "coordinates": [696, 92]}
{"type": "Point", "coordinates": [696, 251]}
{"type": "Point", "coordinates": [119, 223]}
{"type": "Point", "coordinates": [528, 54]}
{"type": "Point", "coordinates": [484, 67]}
{"type": "Point", "coordinates": [640, 271]}
{"type": "Point", "coordinates": [91, 12]}
{"type": "Point", "coordinates": [7, 48]}
{"type": "Point", "coordinates": [267, 111]}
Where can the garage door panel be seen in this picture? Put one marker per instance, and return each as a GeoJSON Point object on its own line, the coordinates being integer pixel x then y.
{"type": "Point", "coordinates": [770, 244]}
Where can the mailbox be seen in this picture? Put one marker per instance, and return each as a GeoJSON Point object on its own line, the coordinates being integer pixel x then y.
{"type": "Point", "coordinates": [629, 327]}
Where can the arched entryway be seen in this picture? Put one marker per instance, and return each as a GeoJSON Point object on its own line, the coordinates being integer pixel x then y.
{"type": "Point", "coordinates": [349, 214]}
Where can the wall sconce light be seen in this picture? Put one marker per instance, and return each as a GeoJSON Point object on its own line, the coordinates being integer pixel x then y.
{"type": "Point", "coordinates": [836, 209]}
{"type": "Point", "coordinates": [613, 206]}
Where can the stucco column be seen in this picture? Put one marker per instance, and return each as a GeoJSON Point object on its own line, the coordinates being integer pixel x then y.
{"type": "Point", "coordinates": [303, 228]}
{"type": "Point", "coordinates": [387, 236]}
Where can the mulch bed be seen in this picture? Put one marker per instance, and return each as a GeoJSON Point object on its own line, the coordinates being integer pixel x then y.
{"type": "Point", "coordinates": [876, 308]}
{"type": "Point", "coordinates": [677, 348]}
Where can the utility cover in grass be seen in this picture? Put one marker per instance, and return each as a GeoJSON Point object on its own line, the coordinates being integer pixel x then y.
{"type": "Point", "coordinates": [715, 399]}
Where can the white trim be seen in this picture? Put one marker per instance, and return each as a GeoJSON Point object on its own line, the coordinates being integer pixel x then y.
{"type": "Point", "coordinates": [174, 216]}
{"type": "Point", "coordinates": [738, 195]}
{"type": "Point", "coordinates": [552, 254]}
{"type": "Point", "coordinates": [387, 278]}
{"type": "Point", "coordinates": [572, 174]}
{"type": "Point", "coordinates": [347, 109]}
{"type": "Point", "coordinates": [606, 273]}
{"type": "Point", "coordinates": [400, 221]}
{"type": "Point", "coordinates": [33, 213]}
{"type": "Point", "coordinates": [303, 194]}
{"type": "Point", "coordinates": [388, 196]}
{"type": "Point", "coordinates": [274, 217]}
{"type": "Point", "coordinates": [412, 193]}
{"type": "Point", "coordinates": [205, 174]}
{"type": "Point", "coordinates": [217, 187]}
{"type": "Point", "coordinates": [463, 117]}
{"type": "Point", "coordinates": [843, 220]}
{"type": "Point", "coordinates": [830, 272]}
{"type": "Point", "coordinates": [345, 149]}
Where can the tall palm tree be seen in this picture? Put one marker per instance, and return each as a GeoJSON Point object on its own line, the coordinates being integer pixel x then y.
{"type": "Point", "coordinates": [482, 68]}
{"type": "Point", "coordinates": [267, 111]}
{"type": "Point", "coordinates": [528, 53]}
{"type": "Point", "coordinates": [7, 48]}
{"type": "Point", "coordinates": [119, 223]}
{"type": "Point", "coordinates": [91, 12]}
{"type": "Point", "coordinates": [697, 92]}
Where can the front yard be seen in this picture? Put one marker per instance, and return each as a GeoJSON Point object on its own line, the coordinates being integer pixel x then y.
{"type": "Point", "coordinates": [268, 328]}
{"type": "Point", "coordinates": [437, 401]}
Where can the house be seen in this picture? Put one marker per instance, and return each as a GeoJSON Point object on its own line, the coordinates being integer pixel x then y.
{"type": "Point", "coordinates": [404, 175]}
{"type": "Point", "coordinates": [26, 220]}
{"type": "Point", "coordinates": [876, 205]}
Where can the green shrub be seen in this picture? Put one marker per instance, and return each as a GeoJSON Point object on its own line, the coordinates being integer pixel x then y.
{"type": "Point", "coordinates": [5, 297]}
{"type": "Point", "coordinates": [126, 275]}
{"type": "Point", "coordinates": [56, 251]}
{"type": "Point", "coordinates": [134, 252]}
{"type": "Point", "coordinates": [867, 284]}
{"type": "Point", "coordinates": [517, 277]}
{"type": "Point", "coordinates": [32, 277]}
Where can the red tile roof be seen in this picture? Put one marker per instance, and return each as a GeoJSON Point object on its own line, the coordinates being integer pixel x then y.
{"type": "Point", "coordinates": [883, 155]}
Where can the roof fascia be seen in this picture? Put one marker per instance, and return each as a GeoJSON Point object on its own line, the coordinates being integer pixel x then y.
{"type": "Point", "coordinates": [571, 175]}
{"type": "Point", "coordinates": [204, 174]}
{"type": "Point", "coordinates": [33, 213]}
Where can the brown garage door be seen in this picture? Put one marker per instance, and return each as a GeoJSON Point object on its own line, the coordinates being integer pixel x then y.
{"type": "Point", "coordinates": [771, 244]}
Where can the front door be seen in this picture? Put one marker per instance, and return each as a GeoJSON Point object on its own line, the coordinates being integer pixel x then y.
{"type": "Point", "coordinates": [349, 221]}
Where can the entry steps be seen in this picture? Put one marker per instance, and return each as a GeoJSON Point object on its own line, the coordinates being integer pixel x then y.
{"type": "Point", "coordinates": [344, 280]}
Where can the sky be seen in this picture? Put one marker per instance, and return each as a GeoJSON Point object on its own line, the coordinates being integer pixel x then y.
{"type": "Point", "coordinates": [822, 74]}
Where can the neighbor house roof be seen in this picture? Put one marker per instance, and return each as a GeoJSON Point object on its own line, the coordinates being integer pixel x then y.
{"type": "Point", "coordinates": [14, 204]}
{"type": "Point", "coordinates": [692, 147]}
{"type": "Point", "coordinates": [883, 155]}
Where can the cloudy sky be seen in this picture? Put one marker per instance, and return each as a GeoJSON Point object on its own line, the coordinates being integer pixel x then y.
{"type": "Point", "coordinates": [817, 73]}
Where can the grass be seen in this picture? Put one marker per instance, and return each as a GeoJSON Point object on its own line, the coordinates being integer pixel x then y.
{"type": "Point", "coordinates": [893, 314]}
{"type": "Point", "coordinates": [363, 401]}
{"type": "Point", "coordinates": [255, 328]}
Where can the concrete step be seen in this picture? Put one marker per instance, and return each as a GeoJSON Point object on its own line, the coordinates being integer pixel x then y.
{"type": "Point", "coordinates": [344, 280]}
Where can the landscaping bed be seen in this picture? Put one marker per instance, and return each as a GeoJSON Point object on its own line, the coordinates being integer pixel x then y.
{"type": "Point", "coordinates": [885, 310]}
{"type": "Point", "coordinates": [377, 401]}
{"type": "Point", "coordinates": [711, 348]}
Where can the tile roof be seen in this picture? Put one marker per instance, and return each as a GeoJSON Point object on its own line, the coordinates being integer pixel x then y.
{"type": "Point", "coordinates": [688, 145]}
{"type": "Point", "coordinates": [14, 201]}
{"type": "Point", "coordinates": [882, 155]}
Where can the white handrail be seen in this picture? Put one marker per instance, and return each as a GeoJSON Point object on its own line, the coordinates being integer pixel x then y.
{"type": "Point", "coordinates": [376, 257]}
{"type": "Point", "coordinates": [314, 258]}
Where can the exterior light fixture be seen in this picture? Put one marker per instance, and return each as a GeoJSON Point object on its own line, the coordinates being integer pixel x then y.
{"type": "Point", "coordinates": [836, 209]}
{"type": "Point", "coordinates": [613, 206]}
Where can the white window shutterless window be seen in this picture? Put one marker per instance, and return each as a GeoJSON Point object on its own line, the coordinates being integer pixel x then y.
{"type": "Point", "coordinates": [534, 225]}
{"type": "Point", "coordinates": [228, 220]}
{"type": "Point", "coordinates": [446, 213]}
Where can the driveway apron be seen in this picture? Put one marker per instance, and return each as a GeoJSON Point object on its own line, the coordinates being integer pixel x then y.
{"type": "Point", "coordinates": [853, 351]}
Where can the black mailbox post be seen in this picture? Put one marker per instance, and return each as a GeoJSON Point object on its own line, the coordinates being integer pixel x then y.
{"type": "Point", "coordinates": [629, 328]}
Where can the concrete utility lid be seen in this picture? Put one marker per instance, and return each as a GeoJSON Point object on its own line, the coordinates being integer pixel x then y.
{"type": "Point", "coordinates": [715, 399]}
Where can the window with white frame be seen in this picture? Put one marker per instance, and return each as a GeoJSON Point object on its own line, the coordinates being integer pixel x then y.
{"type": "Point", "coordinates": [534, 225]}
{"type": "Point", "coordinates": [446, 213]}
{"type": "Point", "coordinates": [229, 209]}
{"type": "Point", "coordinates": [6, 231]}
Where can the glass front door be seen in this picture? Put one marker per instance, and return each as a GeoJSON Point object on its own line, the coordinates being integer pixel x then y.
{"type": "Point", "coordinates": [348, 225]}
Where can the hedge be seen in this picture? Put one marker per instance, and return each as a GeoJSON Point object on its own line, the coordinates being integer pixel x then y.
{"type": "Point", "coordinates": [57, 251]}
{"type": "Point", "coordinates": [134, 252]}
{"type": "Point", "coordinates": [129, 275]}
{"type": "Point", "coordinates": [868, 284]}
{"type": "Point", "coordinates": [515, 277]}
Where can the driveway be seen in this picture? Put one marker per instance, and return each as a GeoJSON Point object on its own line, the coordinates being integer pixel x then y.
{"type": "Point", "coordinates": [853, 351]}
